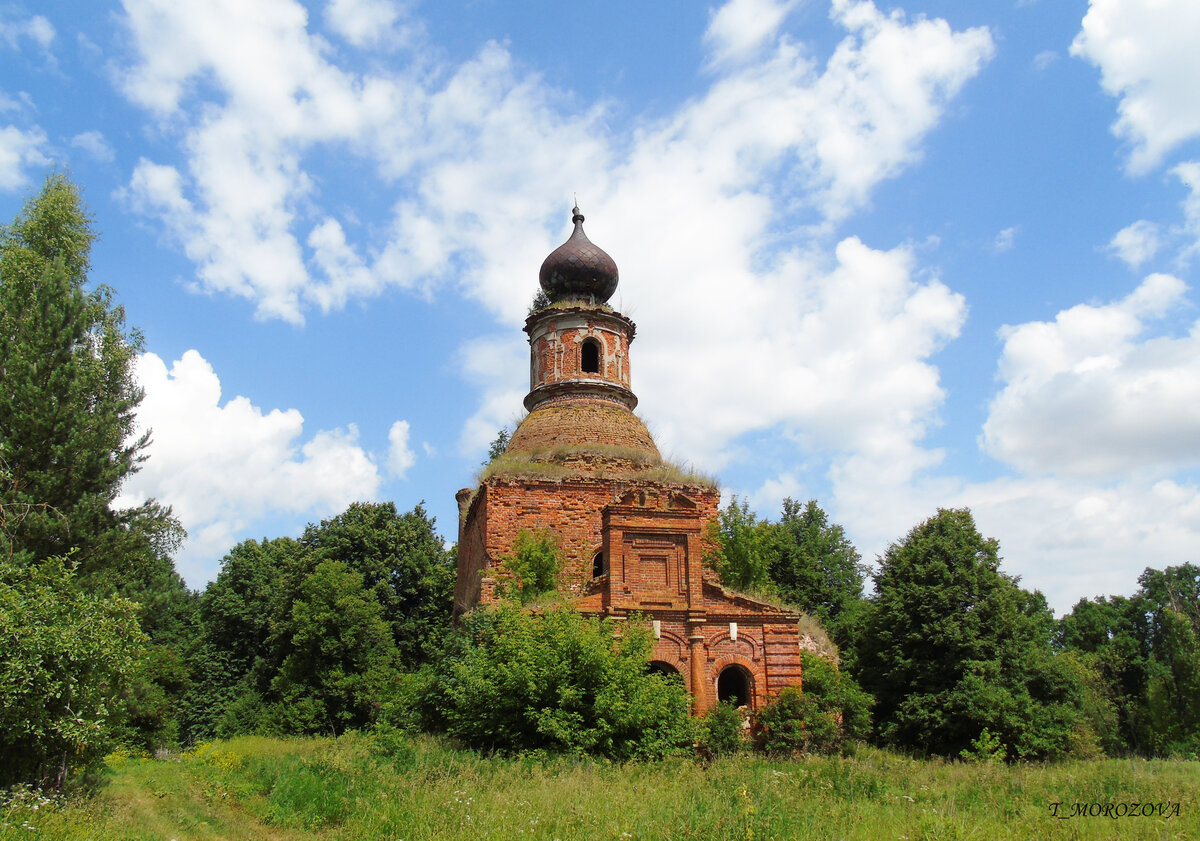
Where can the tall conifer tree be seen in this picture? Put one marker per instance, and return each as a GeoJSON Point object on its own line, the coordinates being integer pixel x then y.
{"type": "Point", "coordinates": [68, 396]}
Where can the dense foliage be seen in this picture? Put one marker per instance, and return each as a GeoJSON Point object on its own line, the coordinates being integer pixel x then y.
{"type": "Point", "coordinates": [738, 540]}
{"type": "Point", "coordinates": [951, 646]}
{"type": "Point", "coordinates": [830, 715]}
{"type": "Point", "coordinates": [67, 658]}
{"type": "Point", "coordinates": [813, 564]}
{"type": "Point", "coordinates": [308, 636]}
{"type": "Point", "coordinates": [67, 443]}
{"type": "Point", "coordinates": [518, 681]}
{"type": "Point", "coordinates": [1146, 651]}
{"type": "Point", "coordinates": [531, 570]}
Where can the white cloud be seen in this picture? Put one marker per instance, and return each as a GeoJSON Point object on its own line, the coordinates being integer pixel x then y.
{"type": "Point", "coordinates": [1044, 59]}
{"type": "Point", "coordinates": [94, 144]}
{"type": "Point", "coordinates": [692, 207]}
{"type": "Point", "coordinates": [1146, 52]}
{"type": "Point", "coordinates": [1136, 243]}
{"type": "Point", "coordinates": [738, 30]}
{"type": "Point", "coordinates": [1005, 240]}
{"type": "Point", "coordinates": [1073, 538]}
{"type": "Point", "coordinates": [489, 153]}
{"type": "Point", "coordinates": [1089, 395]}
{"type": "Point", "coordinates": [400, 455]}
{"type": "Point", "coordinates": [365, 23]}
{"type": "Point", "coordinates": [37, 29]}
{"type": "Point", "coordinates": [224, 467]}
{"type": "Point", "coordinates": [19, 150]}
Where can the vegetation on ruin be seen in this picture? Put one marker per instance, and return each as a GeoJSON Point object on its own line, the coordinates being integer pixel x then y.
{"type": "Point", "coordinates": [602, 460]}
{"type": "Point", "coordinates": [542, 301]}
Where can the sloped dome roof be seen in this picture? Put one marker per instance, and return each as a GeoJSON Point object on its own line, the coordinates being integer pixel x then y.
{"type": "Point", "coordinates": [578, 268]}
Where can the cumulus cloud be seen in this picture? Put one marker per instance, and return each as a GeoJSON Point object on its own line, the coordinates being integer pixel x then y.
{"type": "Point", "coordinates": [741, 28]}
{"type": "Point", "coordinates": [224, 466]}
{"type": "Point", "coordinates": [1090, 394]}
{"type": "Point", "coordinates": [400, 455]}
{"type": "Point", "coordinates": [490, 152]}
{"type": "Point", "coordinates": [1147, 56]}
{"type": "Point", "coordinates": [365, 23]}
{"type": "Point", "coordinates": [20, 149]}
{"type": "Point", "coordinates": [1136, 243]}
{"type": "Point", "coordinates": [94, 144]}
{"type": "Point", "coordinates": [827, 342]}
{"type": "Point", "coordinates": [1056, 532]}
{"type": "Point", "coordinates": [1189, 174]}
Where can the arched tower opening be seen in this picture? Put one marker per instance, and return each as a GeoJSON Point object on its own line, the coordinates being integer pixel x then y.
{"type": "Point", "coordinates": [589, 356]}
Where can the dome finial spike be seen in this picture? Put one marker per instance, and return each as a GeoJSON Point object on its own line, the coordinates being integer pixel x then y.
{"type": "Point", "coordinates": [576, 214]}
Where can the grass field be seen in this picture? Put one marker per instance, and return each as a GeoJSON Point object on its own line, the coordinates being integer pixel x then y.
{"type": "Point", "coordinates": [368, 787]}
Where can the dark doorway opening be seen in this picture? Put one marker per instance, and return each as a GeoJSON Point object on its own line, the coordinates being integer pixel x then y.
{"type": "Point", "coordinates": [589, 359]}
{"type": "Point", "coordinates": [733, 685]}
{"type": "Point", "coordinates": [598, 565]}
{"type": "Point", "coordinates": [658, 667]}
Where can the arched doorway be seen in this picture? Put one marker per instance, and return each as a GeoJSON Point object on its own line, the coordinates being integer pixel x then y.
{"type": "Point", "coordinates": [734, 684]}
{"type": "Point", "coordinates": [661, 667]}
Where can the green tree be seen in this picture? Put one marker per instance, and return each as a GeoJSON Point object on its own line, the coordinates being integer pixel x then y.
{"type": "Point", "coordinates": [403, 561]}
{"type": "Point", "coordinates": [1147, 653]}
{"type": "Point", "coordinates": [258, 667]}
{"type": "Point", "coordinates": [1171, 600]}
{"type": "Point", "coordinates": [497, 447]}
{"type": "Point", "coordinates": [739, 554]}
{"type": "Point", "coordinates": [1110, 634]}
{"type": "Point", "coordinates": [342, 656]}
{"type": "Point", "coordinates": [66, 440]}
{"type": "Point", "coordinates": [815, 566]}
{"type": "Point", "coordinates": [242, 622]}
{"type": "Point", "coordinates": [952, 646]}
{"type": "Point", "coordinates": [67, 410]}
{"type": "Point", "coordinates": [558, 681]}
{"type": "Point", "coordinates": [67, 658]}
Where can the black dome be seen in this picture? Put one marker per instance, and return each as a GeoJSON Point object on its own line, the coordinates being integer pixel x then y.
{"type": "Point", "coordinates": [578, 269]}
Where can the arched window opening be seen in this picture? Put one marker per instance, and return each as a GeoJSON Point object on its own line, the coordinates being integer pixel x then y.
{"type": "Point", "coordinates": [589, 361]}
{"type": "Point", "coordinates": [658, 667]}
{"type": "Point", "coordinates": [733, 685]}
{"type": "Point", "coordinates": [598, 565]}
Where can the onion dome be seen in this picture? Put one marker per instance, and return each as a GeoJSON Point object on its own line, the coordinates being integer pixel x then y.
{"type": "Point", "coordinates": [578, 269]}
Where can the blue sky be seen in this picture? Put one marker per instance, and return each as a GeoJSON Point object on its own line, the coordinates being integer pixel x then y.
{"type": "Point", "coordinates": [893, 257]}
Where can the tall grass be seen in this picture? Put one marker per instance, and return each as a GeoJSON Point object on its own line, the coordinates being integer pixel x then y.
{"type": "Point", "coordinates": [393, 787]}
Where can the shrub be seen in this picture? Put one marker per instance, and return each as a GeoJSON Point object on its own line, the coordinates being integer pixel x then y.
{"type": "Point", "coordinates": [533, 565]}
{"type": "Point", "coordinates": [722, 729]}
{"type": "Point", "coordinates": [831, 713]}
{"type": "Point", "coordinates": [67, 658]}
{"type": "Point", "coordinates": [558, 682]}
{"type": "Point", "coordinates": [794, 723]}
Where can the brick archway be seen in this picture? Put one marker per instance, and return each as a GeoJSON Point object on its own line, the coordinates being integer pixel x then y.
{"type": "Point", "coordinates": [743, 667]}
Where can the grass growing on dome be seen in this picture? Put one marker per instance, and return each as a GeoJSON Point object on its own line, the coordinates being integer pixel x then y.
{"type": "Point", "coordinates": [541, 301]}
{"type": "Point", "coordinates": [563, 462]}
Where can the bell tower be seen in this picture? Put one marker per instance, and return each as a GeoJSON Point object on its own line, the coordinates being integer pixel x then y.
{"type": "Point", "coordinates": [580, 402]}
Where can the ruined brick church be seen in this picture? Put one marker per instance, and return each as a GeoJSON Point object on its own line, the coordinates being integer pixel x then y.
{"type": "Point", "coordinates": [631, 528]}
